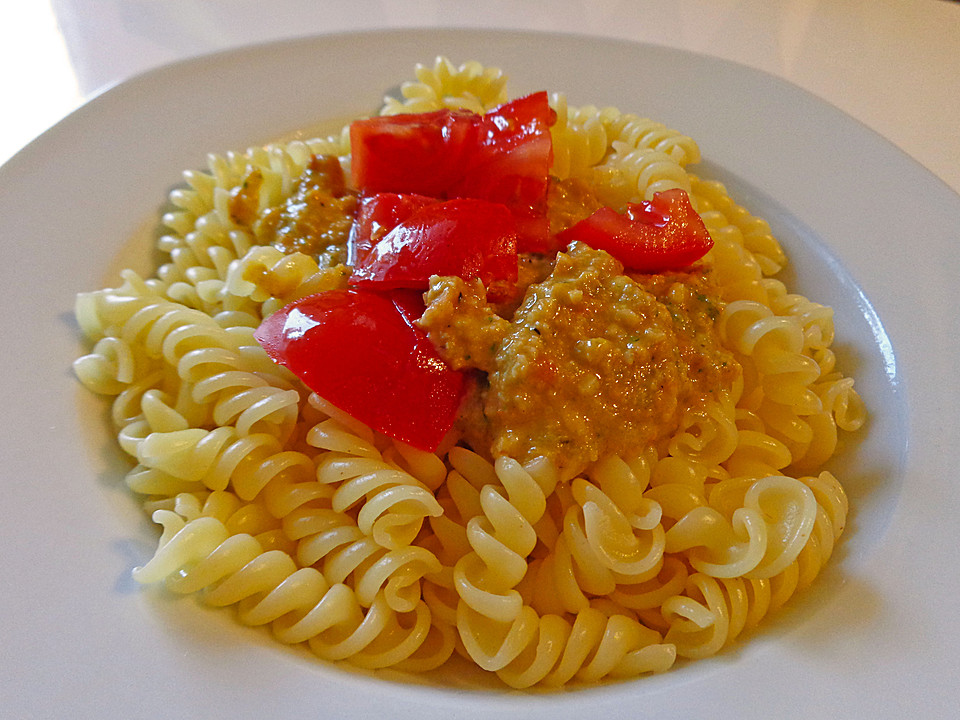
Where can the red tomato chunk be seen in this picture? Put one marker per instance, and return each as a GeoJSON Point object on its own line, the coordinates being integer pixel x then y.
{"type": "Point", "coordinates": [376, 216]}
{"type": "Point", "coordinates": [662, 234]}
{"type": "Point", "coordinates": [421, 153]}
{"type": "Point", "coordinates": [514, 153]}
{"type": "Point", "coordinates": [468, 238]}
{"type": "Point", "coordinates": [502, 156]}
{"type": "Point", "coordinates": [360, 351]}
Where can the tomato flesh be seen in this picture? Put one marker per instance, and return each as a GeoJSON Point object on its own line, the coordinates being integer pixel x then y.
{"type": "Point", "coordinates": [360, 351]}
{"type": "Point", "coordinates": [502, 156]}
{"type": "Point", "coordinates": [466, 237]}
{"type": "Point", "coordinates": [376, 216]}
{"type": "Point", "coordinates": [514, 153]}
{"type": "Point", "coordinates": [421, 153]}
{"type": "Point", "coordinates": [533, 231]}
{"type": "Point", "coordinates": [662, 234]}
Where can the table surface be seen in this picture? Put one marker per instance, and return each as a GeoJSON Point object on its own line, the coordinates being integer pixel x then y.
{"type": "Point", "coordinates": [892, 64]}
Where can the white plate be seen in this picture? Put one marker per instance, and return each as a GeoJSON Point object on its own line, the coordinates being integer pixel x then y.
{"type": "Point", "coordinates": [868, 230]}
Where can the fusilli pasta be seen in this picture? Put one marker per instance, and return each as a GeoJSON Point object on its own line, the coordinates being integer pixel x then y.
{"type": "Point", "coordinates": [369, 550]}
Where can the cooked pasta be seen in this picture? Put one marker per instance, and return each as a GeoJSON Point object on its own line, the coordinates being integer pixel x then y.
{"type": "Point", "coordinates": [572, 559]}
{"type": "Point", "coordinates": [471, 86]}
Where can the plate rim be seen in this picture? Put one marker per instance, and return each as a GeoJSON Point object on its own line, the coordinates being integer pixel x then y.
{"type": "Point", "coordinates": [26, 155]}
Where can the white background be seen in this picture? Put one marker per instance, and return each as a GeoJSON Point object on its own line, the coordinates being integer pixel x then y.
{"type": "Point", "coordinates": [892, 64]}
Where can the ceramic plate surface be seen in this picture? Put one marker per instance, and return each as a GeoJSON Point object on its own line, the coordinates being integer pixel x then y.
{"type": "Point", "coordinates": [867, 229]}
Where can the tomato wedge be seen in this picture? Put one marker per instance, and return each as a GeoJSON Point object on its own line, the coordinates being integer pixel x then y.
{"type": "Point", "coordinates": [423, 153]}
{"type": "Point", "coordinates": [514, 153]}
{"type": "Point", "coordinates": [360, 351]}
{"type": "Point", "coordinates": [502, 156]}
{"type": "Point", "coordinates": [661, 234]}
{"type": "Point", "coordinates": [465, 237]}
{"type": "Point", "coordinates": [376, 216]}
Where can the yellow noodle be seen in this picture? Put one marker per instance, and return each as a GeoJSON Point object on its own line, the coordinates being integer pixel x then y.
{"type": "Point", "coordinates": [370, 551]}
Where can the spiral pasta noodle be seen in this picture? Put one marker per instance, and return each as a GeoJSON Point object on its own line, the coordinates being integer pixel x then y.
{"type": "Point", "coordinates": [471, 86]}
{"type": "Point", "coordinates": [299, 603]}
{"type": "Point", "coordinates": [367, 550]}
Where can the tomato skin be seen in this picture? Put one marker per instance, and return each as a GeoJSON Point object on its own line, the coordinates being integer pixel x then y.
{"type": "Point", "coordinates": [360, 351]}
{"type": "Point", "coordinates": [503, 156]}
{"type": "Point", "coordinates": [466, 237]}
{"type": "Point", "coordinates": [376, 216]}
{"type": "Point", "coordinates": [533, 232]}
{"type": "Point", "coordinates": [422, 153]}
{"type": "Point", "coordinates": [410, 305]}
{"type": "Point", "coordinates": [662, 234]}
{"type": "Point", "coordinates": [511, 163]}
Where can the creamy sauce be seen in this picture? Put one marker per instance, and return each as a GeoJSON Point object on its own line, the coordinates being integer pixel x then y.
{"type": "Point", "coordinates": [580, 361]}
{"type": "Point", "coordinates": [462, 325]}
{"type": "Point", "coordinates": [315, 220]}
{"type": "Point", "coordinates": [568, 202]}
{"type": "Point", "coordinates": [592, 362]}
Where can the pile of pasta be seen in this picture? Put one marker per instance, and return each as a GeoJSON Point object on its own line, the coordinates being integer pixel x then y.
{"type": "Point", "coordinates": [369, 551]}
